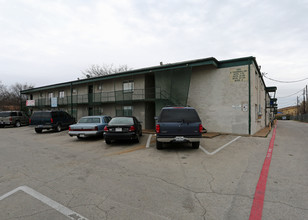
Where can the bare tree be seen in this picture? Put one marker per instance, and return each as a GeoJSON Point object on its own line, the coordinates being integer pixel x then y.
{"type": "Point", "coordinates": [11, 98]}
{"type": "Point", "coordinates": [105, 69]}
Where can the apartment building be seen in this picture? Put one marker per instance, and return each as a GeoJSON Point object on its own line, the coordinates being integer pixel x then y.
{"type": "Point", "coordinates": [229, 95]}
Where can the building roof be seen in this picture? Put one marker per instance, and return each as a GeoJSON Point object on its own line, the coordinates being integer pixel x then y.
{"type": "Point", "coordinates": [191, 63]}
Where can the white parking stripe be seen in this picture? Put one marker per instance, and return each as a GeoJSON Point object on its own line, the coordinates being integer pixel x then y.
{"type": "Point", "coordinates": [219, 149]}
{"type": "Point", "coordinates": [148, 141]}
{"type": "Point", "coordinates": [53, 204]}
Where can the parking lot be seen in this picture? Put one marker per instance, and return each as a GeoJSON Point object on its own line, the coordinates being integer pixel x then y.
{"type": "Point", "coordinates": [54, 176]}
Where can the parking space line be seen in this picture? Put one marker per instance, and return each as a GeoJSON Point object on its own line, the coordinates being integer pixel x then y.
{"type": "Point", "coordinates": [53, 204]}
{"type": "Point", "coordinates": [219, 149]}
{"type": "Point", "coordinates": [148, 141]}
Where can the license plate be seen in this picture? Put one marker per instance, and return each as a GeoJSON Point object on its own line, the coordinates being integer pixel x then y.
{"type": "Point", "coordinates": [179, 138]}
{"type": "Point", "coordinates": [118, 129]}
{"type": "Point", "coordinates": [81, 135]}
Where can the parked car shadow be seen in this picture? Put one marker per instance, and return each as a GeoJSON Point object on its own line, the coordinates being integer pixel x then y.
{"type": "Point", "coordinates": [177, 147]}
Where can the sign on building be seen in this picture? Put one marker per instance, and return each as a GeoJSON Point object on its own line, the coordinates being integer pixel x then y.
{"type": "Point", "coordinates": [239, 74]}
{"type": "Point", "coordinates": [54, 102]}
{"type": "Point", "coordinates": [30, 103]}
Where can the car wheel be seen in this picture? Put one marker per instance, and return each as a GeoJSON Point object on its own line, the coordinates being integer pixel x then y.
{"type": "Point", "coordinates": [58, 128]}
{"type": "Point", "coordinates": [195, 145]}
{"type": "Point", "coordinates": [37, 130]}
{"type": "Point", "coordinates": [159, 145]}
{"type": "Point", "coordinates": [17, 124]}
{"type": "Point", "coordinates": [137, 139]}
{"type": "Point", "coordinates": [108, 141]}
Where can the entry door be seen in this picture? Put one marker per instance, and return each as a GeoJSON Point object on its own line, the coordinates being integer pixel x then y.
{"type": "Point", "coordinates": [90, 94]}
{"type": "Point", "coordinates": [90, 111]}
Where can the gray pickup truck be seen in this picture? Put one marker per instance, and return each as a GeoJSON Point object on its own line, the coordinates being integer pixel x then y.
{"type": "Point", "coordinates": [178, 124]}
{"type": "Point", "coordinates": [15, 118]}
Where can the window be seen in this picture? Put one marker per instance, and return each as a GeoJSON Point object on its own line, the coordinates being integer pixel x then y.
{"type": "Point", "coordinates": [50, 95]}
{"type": "Point", "coordinates": [128, 86]}
{"type": "Point", "coordinates": [127, 110]}
{"type": "Point", "coordinates": [256, 111]}
{"type": "Point", "coordinates": [99, 87]}
{"type": "Point", "coordinates": [61, 94]}
{"type": "Point", "coordinates": [256, 80]}
{"type": "Point", "coordinates": [74, 91]}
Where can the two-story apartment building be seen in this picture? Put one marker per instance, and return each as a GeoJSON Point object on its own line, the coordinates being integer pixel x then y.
{"type": "Point", "coordinates": [229, 95]}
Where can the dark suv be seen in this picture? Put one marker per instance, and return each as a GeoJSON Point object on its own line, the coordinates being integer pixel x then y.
{"type": "Point", "coordinates": [56, 120]}
{"type": "Point", "coordinates": [178, 124]}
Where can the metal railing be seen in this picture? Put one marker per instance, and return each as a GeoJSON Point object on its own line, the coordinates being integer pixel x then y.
{"type": "Point", "coordinates": [150, 94]}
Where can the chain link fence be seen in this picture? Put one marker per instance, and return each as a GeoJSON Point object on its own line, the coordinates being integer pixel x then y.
{"type": "Point", "coordinates": [303, 117]}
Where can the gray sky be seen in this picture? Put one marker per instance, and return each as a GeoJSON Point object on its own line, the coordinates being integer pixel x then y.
{"type": "Point", "coordinates": [44, 42]}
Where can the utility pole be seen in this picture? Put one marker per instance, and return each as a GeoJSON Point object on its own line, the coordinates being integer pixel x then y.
{"type": "Point", "coordinates": [297, 106]}
{"type": "Point", "coordinates": [306, 99]}
{"type": "Point", "coordinates": [304, 102]}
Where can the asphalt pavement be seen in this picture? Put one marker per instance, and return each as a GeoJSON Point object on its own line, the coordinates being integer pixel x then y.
{"type": "Point", "coordinates": [54, 176]}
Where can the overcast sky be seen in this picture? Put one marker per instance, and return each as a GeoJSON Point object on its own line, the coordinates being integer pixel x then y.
{"type": "Point", "coordinates": [44, 42]}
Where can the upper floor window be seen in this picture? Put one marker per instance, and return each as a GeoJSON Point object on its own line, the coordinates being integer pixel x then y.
{"type": "Point", "coordinates": [61, 94]}
{"type": "Point", "coordinates": [128, 86]}
{"type": "Point", "coordinates": [99, 87]}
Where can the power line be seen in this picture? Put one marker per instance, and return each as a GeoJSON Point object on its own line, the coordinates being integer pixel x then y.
{"type": "Point", "coordinates": [290, 95]}
{"type": "Point", "coordinates": [280, 81]}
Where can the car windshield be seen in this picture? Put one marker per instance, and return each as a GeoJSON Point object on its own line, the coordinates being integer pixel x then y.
{"type": "Point", "coordinates": [41, 115]}
{"type": "Point", "coordinates": [5, 114]}
{"type": "Point", "coordinates": [121, 121]}
{"type": "Point", "coordinates": [179, 115]}
{"type": "Point", "coordinates": [89, 120]}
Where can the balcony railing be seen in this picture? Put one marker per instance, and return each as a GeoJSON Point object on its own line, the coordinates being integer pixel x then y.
{"type": "Point", "coordinates": [150, 94]}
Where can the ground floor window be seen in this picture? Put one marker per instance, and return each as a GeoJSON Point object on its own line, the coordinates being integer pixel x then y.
{"type": "Point", "coordinates": [127, 110]}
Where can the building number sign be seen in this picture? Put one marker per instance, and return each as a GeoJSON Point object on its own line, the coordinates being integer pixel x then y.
{"type": "Point", "coordinates": [239, 74]}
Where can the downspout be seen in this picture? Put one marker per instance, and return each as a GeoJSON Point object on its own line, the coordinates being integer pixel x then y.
{"type": "Point", "coordinates": [72, 100]}
{"type": "Point", "coordinates": [249, 100]}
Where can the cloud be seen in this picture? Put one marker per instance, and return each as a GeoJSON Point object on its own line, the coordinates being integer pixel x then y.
{"type": "Point", "coordinates": [53, 41]}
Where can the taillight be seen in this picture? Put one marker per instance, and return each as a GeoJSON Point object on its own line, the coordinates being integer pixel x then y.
{"type": "Point", "coordinates": [29, 120]}
{"type": "Point", "coordinates": [69, 128]}
{"type": "Point", "coordinates": [51, 120]}
{"type": "Point", "coordinates": [10, 119]}
{"type": "Point", "coordinates": [105, 128]}
{"type": "Point", "coordinates": [200, 128]}
{"type": "Point", "coordinates": [157, 128]}
{"type": "Point", "coordinates": [132, 128]}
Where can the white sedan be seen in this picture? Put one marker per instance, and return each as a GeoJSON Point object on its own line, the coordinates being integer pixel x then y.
{"type": "Point", "coordinates": [89, 126]}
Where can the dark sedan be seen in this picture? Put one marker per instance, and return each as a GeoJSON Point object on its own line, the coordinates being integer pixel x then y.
{"type": "Point", "coordinates": [123, 128]}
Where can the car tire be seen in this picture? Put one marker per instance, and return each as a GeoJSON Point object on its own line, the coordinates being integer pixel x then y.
{"type": "Point", "coordinates": [38, 130]}
{"type": "Point", "coordinates": [137, 139]}
{"type": "Point", "coordinates": [108, 141]}
{"type": "Point", "coordinates": [195, 145]}
{"type": "Point", "coordinates": [159, 145]}
{"type": "Point", "coordinates": [58, 128]}
{"type": "Point", "coordinates": [17, 124]}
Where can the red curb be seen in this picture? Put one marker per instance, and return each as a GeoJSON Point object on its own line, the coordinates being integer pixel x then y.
{"type": "Point", "coordinates": [258, 201]}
